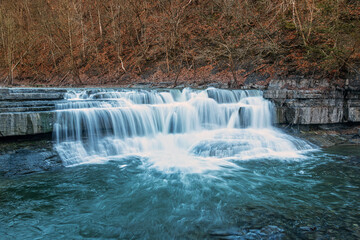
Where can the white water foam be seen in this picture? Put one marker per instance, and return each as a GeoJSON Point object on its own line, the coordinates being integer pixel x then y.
{"type": "Point", "coordinates": [188, 130]}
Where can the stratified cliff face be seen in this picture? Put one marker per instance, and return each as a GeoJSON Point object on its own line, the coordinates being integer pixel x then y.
{"type": "Point", "coordinates": [306, 101]}
{"type": "Point", "coordinates": [27, 111]}
{"type": "Point", "coordinates": [30, 111]}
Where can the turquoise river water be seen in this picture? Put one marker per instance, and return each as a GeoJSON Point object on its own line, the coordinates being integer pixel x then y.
{"type": "Point", "coordinates": [184, 164]}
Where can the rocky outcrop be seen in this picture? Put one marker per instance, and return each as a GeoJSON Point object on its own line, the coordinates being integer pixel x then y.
{"type": "Point", "coordinates": [25, 123]}
{"type": "Point", "coordinates": [28, 111]}
{"type": "Point", "coordinates": [27, 94]}
{"type": "Point", "coordinates": [313, 102]}
{"type": "Point", "coordinates": [353, 105]}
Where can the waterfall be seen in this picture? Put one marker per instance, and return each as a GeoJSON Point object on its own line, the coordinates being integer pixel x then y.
{"type": "Point", "coordinates": [172, 129]}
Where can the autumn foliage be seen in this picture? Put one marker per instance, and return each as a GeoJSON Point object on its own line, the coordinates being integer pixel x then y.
{"type": "Point", "coordinates": [62, 42]}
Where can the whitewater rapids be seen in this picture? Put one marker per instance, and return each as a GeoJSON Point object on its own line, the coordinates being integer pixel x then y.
{"type": "Point", "coordinates": [172, 130]}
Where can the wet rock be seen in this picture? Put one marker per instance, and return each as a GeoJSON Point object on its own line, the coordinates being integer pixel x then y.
{"type": "Point", "coordinates": [26, 106]}
{"type": "Point", "coordinates": [308, 228]}
{"type": "Point", "coordinates": [23, 159]}
{"type": "Point", "coordinates": [222, 233]}
{"type": "Point", "coordinates": [267, 232]}
{"type": "Point", "coordinates": [325, 135]}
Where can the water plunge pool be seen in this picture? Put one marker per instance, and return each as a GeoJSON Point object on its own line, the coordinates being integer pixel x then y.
{"type": "Point", "coordinates": [185, 164]}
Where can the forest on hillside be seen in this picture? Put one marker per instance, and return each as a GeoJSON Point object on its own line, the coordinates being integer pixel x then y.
{"type": "Point", "coordinates": [93, 42]}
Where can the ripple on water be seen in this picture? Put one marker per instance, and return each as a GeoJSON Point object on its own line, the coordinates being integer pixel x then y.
{"type": "Point", "coordinates": [125, 199]}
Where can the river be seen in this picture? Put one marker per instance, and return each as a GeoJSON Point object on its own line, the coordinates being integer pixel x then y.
{"type": "Point", "coordinates": [190, 164]}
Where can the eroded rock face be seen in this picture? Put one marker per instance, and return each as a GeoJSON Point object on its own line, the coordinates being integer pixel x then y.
{"type": "Point", "coordinates": [298, 84]}
{"type": "Point", "coordinates": [301, 102]}
{"type": "Point", "coordinates": [28, 111]}
{"type": "Point", "coordinates": [26, 123]}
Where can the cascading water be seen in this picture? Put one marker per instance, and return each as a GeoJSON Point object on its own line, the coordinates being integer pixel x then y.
{"type": "Point", "coordinates": [188, 130]}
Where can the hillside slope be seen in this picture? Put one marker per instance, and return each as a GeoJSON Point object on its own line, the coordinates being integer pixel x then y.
{"type": "Point", "coordinates": [117, 42]}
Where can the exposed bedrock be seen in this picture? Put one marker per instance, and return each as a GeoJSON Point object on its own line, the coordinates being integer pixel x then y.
{"type": "Point", "coordinates": [314, 102]}
{"type": "Point", "coordinates": [27, 158]}
{"type": "Point", "coordinates": [30, 111]}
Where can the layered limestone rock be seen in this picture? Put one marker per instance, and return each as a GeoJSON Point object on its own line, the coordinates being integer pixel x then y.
{"type": "Point", "coordinates": [313, 102]}
{"type": "Point", "coordinates": [28, 111]}
{"type": "Point", "coordinates": [25, 123]}
{"type": "Point", "coordinates": [353, 105]}
{"type": "Point", "coordinates": [27, 94]}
